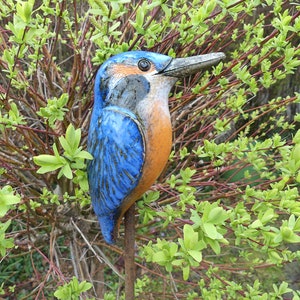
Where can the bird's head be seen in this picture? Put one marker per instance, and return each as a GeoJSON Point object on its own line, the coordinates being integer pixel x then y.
{"type": "Point", "coordinates": [127, 78]}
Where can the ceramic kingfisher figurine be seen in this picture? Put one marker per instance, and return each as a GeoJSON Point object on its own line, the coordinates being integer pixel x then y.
{"type": "Point", "coordinates": [130, 134]}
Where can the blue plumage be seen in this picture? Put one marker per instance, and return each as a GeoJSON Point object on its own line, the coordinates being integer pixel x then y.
{"type": "Point", "coordinates": [117, 144]}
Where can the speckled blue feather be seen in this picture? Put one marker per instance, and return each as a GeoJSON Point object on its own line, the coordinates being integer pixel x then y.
{"type": "Point", "coordinates": [118, 148]}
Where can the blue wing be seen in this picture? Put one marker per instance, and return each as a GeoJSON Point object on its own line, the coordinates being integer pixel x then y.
{"type": "Point", "coordinates": [116, 142]}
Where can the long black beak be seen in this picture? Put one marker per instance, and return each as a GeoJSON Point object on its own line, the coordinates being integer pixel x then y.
{"type": "Point", "coordinates": [181, 67]}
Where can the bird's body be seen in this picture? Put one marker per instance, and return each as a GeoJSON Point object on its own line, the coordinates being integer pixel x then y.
{"type": "Point", "coordinates": [130, 135]}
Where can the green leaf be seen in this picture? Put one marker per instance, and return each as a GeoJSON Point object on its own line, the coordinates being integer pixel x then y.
{"type": "Point", "coordinates": [5, 243]}
{"type": "Point", "coordinates": [296, 138]}
{"type": "Point", "coordinates": [84, 155]}
{"type": "Point", "coordinates": [84, 286]}
{"type": "Point", "coordinates": [73, 156]}
{"type": "Point", "coordinates": [73, 137]}
{"type": "Point", "coordinates": [297, 225]}
{"type": "Point", "coordinates": [47, 160]}
{"type": "Point", "coordinates": [48, 163]}
{"type": "Point", "coordinates": [288, 235]}
{"type": "Point", "coordinates": [197, 255]}
{"type": "Point", "coordinates": [159, 257]}
{"type": "Point", "coordinates": [274, 256]}
{"type": "Point", "coordinates": [217, 215]}
{"type": "Point", "coordinates": [256, 224]}
{"type": "Point", "coordinates": [190, 237]}
{"type": "Point", "coordinates": [66, 171]}
{"type": "Point", "coordinates": [24, 10]}
{"type": "Point", "coordinates": [267, 216]}
{"type": "Point", "coordinates": [173, 249]}
{"type": "Point", "coordinates": [81, 179]}
{"type": "Point", "coordinates": [215, 245]}
{"type": "Point", "coordinates": [211, 231]}
{"type": "Point", "coordinates": [177, 262]}
{"type": "Point", "coordinates": [151, 196]}
{"type": "Point", "coordinates": [66, 146]}
{"type": "Point", "coordinates": [55, 109]}
{"type": "Point", "coordinates": [7, 199]}
{"type": "Point", "coordinates": [186, 174]}
{"type": "Point", "coordinates": [140, 17]}
{"type": "Point", "coordinates": [56, 153]}
{"type": "Point", "coordinates": [72, 290]}
{"type": "Point", "coordinates": [186, 272]}
{"type": "Point", "coordinates": [184, 153]}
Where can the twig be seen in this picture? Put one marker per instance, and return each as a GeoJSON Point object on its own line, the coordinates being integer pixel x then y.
{"type": "Point", "coordinates": [103, 257]}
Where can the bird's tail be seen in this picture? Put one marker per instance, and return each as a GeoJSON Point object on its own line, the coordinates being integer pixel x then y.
{"type": "Point", "coordinates": [108, 224]}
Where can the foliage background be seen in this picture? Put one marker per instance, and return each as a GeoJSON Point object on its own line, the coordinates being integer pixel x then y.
{"type": "Point", "coordinates": [223, 219]}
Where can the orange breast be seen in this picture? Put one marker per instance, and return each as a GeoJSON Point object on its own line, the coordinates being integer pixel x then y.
{"type": "Point", "coordinates": [158, 147]}
{"type": "Point", "coordinates": [158, 139]}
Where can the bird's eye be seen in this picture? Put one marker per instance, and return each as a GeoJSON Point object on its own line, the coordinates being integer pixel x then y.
{"type": "Point", "coordinates": [144, 65]}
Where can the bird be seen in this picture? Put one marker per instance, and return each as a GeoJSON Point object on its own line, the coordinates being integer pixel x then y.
{"type": "Point", "coordinates": [130, 132]}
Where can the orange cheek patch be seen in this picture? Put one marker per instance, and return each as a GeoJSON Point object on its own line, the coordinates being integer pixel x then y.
{"type": "Point", "coordinates": [121, 70]}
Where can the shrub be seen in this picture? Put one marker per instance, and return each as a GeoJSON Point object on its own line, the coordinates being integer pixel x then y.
{"type": "Point", "coordinates": [223, 219]}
